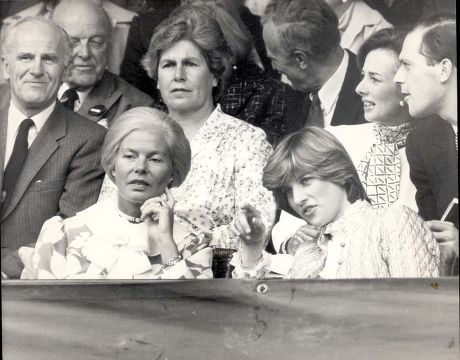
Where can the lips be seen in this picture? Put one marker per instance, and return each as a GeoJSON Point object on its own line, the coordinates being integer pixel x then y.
{"type": "Point", "coordinates": [180, 90]}
{"type": "Point", "coordinates": [139, 183]}
{"type": "Point", "coordinates": [308, 211]}
{"type": "Point", "coordinates": [368, 105]}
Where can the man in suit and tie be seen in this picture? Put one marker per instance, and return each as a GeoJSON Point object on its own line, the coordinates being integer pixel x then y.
{"type": "Point", "coordinates": [90, 89]}
{"type": "Point", "coordinates": [49, 156]}
{"type": "Point", "coordinates": [303, 41]}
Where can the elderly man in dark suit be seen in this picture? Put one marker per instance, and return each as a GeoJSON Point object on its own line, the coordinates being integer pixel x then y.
{"type": "Point", "coordinates": [303, 41]}
{"type": "Point", "coordinates": [49, 156]}
{"type": "Point", "coordinates": [90, 89]}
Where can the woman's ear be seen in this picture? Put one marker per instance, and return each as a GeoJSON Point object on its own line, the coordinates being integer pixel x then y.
{"type": "Point", "coordinates": [215, 82]}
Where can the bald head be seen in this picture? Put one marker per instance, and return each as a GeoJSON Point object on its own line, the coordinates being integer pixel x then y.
{"type": "Point", "coordinates": [90, 31]}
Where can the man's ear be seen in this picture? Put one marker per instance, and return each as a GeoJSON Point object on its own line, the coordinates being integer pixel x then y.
{"type": "Point", "coordinates": [301, 58]}
{"type": "Point", "coordinates": [445, 70]}
{"type": "Point", "coordinates": [5, 66]}
{"type": "Point", "coordinates": [67, 70]}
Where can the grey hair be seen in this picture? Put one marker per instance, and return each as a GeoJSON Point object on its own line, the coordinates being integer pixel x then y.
{"type": "Point", "coordinates": [64, 40]}
{"type": "Point", "coordinates": [154, 121]}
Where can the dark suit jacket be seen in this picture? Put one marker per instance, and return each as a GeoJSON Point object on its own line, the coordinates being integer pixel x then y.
{"type": "Point", "coordinates": [62, 175]}
{"type": "Point", "coordinates": [433, 161]}
{"type": "Point", "coordinates": [139, 36]}
{"type": "Point", "coordinates": [115, 95]}
{"type": "Point", "coordinates": [348, 111]}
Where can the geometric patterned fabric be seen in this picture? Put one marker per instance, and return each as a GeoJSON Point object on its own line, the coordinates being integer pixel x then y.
{"type": "Point", "coordinates": [380, 170]}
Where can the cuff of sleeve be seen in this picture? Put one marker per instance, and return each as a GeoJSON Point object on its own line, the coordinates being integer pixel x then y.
{"type": "Point", "coordinates": [255, 272]}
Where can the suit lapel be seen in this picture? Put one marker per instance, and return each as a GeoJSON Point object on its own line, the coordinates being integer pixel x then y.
{"type": "Point", "coordinates": [349, 108]}
{"type": "Point", "coordinates": [44, 145]}
{"type": "Point", "coordinates": [105, 93]}
{"type": "Point", "coordinates": [3, 129]}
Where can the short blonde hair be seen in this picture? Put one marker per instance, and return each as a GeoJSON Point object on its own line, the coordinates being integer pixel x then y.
{"type": "Point", "coordinates": [148, 120]}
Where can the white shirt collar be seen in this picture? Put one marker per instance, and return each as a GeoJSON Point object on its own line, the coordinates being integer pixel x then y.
{"type": "Point", "coordinates": [82, 95]}
{"type": "Point", "coordinates": [15, 116]}
{"type": "Point", "coordinates": [329, 92]}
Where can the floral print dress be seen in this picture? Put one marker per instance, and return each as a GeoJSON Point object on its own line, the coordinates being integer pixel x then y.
{"type": "Point", "coordinates": [228, 157]}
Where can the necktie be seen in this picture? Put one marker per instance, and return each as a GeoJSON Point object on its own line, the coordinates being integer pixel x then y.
{"type": "Point", "coordinates": [17, 159]}
{"type": "Point", "coordinates": [315, 114]}
{"type": "Point", "coordinates": [68, 98]}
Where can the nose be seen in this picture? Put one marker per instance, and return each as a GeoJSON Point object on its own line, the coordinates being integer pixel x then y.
{"type": "Point", "coordinates": [179, 75]}
{"type": "Point", "coordinates": [37, 67]}
{"type": "Point", "coordinates": [361, 89]}
{"type": "Point", "coordinates": [140, 165]}
{"type": "Point", "coordinates": [299, 195]}
{"type": "Point", "coordinates": [82, 51]}
{"type": "Point", "coordinates": [399, 76]}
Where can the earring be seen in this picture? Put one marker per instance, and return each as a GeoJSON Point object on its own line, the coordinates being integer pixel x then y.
{"type": "Point", "coordinates": [171, 179]}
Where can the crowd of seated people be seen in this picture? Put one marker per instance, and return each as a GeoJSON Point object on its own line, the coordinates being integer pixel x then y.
{"type": "Point", "coordinates": [196, 145]}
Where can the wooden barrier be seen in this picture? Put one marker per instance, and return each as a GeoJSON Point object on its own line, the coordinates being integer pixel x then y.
{"type": "Point", "coordinates": [231, 319]}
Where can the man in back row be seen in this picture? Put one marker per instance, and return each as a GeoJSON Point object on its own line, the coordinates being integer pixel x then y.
{"type": "Point", "coordinates": [303, 41]}
{"type": "Point", "coordinates": [49, 156]}
{"type": "Point", "coordinates": [90, 89]}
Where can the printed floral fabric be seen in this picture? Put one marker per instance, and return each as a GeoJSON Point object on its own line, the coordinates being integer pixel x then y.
{"type": "Point", "coordinates": [228, 157]}
{"type": "Point", "coordinates": [99, 244]}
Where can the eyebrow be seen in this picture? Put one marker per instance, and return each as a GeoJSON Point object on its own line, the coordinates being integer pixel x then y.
{"type": "Point", "coordinates": [150, 153]}
{"type": "Point", "coordinates": [194, 58]}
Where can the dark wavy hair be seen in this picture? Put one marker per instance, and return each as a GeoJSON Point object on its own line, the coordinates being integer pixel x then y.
{"type": "Point", "coordinates": [314, 152]}
{"type": "Point", "coordinates": [391, 39]}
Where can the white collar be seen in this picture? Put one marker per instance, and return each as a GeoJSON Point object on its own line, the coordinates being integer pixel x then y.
{"type": "Point", "coordinates": [82, 95]}
{"type": "Point", "coordinates": [329, 92]}
{"type": "Point", "coordinates": [16, 116]}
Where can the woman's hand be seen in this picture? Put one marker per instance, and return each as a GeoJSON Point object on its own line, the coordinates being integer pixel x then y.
{"type": "Point", "coordinates": [158, 213]}
{"type": "Point", "coordinates": [305, 233]}
{"type": "Point", "coordinates": [248, 225]}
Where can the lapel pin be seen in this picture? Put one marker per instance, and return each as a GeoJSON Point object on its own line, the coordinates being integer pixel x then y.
{"type": "Point", "coordinates": [97, 110]}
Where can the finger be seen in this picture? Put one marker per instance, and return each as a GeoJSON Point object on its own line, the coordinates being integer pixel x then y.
{"type": "Point", "coordinates": [258, 224]}
{"type": "Point", "coordinates": [436, 225]}
{"type": "Point", "coordinates": [153, 211]}
{"type": "Point", "coordinates": [241, 231]}
{"type": "Point", "coordinates": [308, 232]}
{"type": "Point", "coordinates": [150, 201]}
{"type": "Point", "coordinates": [442, 236]}
{"type": "Point", "coordinates": [244, 222]}
{"type": "Point", "coordinates": [251, 210]}
{"type": "Point", "coordinates": [169, 198]}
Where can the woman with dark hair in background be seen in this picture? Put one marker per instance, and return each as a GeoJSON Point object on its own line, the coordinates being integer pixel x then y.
{"type": "Point", "coordinates": [380, 154]}
{"type": "Point", "coordinates": [311, 173]}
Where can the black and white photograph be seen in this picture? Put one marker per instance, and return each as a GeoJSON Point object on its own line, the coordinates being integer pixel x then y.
{"type": "Point", "coordinates": [229, 179]}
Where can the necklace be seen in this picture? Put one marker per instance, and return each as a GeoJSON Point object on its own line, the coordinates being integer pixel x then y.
{"type": "Point", "coordinates": [131, 219]}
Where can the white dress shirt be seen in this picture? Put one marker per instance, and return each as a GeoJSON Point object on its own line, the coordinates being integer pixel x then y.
{"type": "Point", "coordinates": [329, 92]}
{"type": "Point", "coordinates": [15, 118]}
{"type": "Point", "coordinates": [82, 95]}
